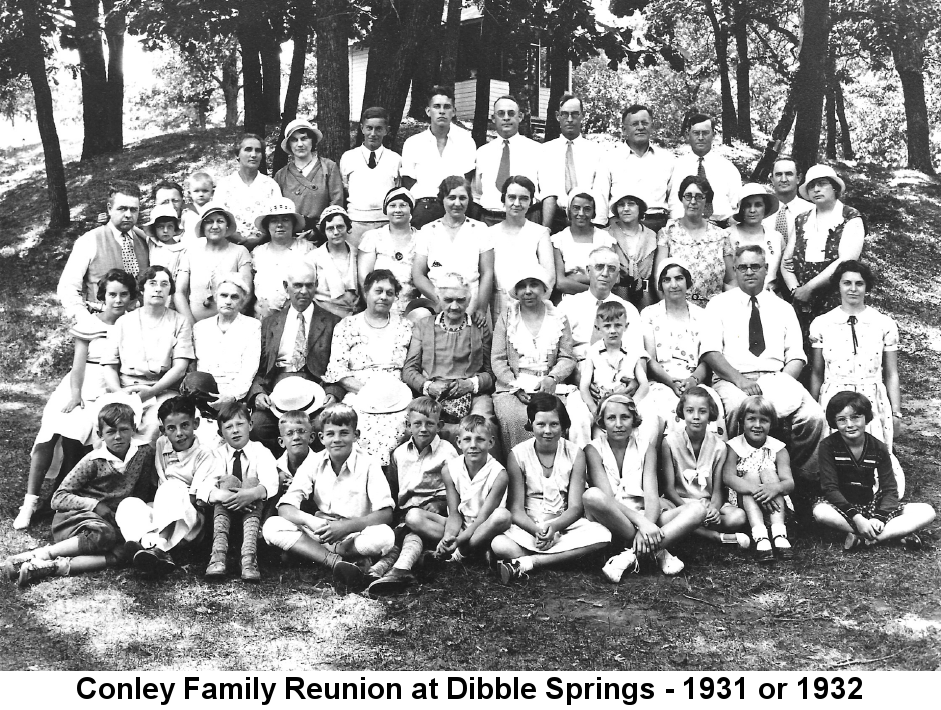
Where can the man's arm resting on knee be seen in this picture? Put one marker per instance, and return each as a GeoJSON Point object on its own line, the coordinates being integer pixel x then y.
{"type": "Point", "coordinates": [724, 370]}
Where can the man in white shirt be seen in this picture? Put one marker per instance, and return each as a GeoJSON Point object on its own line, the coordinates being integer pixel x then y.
{"type": "Point", "coordinates": [568, 162]}
{"type": "Point", "coordinates": [508, 154]}
{"type": "Point", "coordinates": [368, 173]}
{"type": "Point", "coordinates": [640, 168]}
{"type": "Point", "coordinates": [581, 308]}
{"type": "Point", "coordinates": [431, 156]}
{"type": "Point", "coordinates": [784, 181]}
{"type": "Point", "coordinates": [758, 336]}
{"type": "Point", "coordinates": [115, 245]}
{"type": "Point", "coordinates": [724, 177]}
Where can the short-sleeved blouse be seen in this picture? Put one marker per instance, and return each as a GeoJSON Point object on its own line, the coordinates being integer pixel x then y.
{"type": "Point", "coordinates": [388, 256]}
{"type": "Point", "coordinates": [677, 345]}
{"type": "Point", "coordinates": [205, 269]}
{"type": "Point", "coordinates": [460, 255]}
{"type": "Point", "coordinates": [271, 267]}
{"type": "Point", "coordinates": [514, 254]}
{"type": "Point", "coordinates": [575, 254]}
{"type": "Point", "coordinates": [753, 460]}
{"type": "Point", "coordinates": [627, 484]}
{"type": "Point", "coordinates": [333, 282]}
{"type": "Point", "coordinates": [358, 347]}
{"type": "Point", "coordinates": [704, 252]}
{"type": "Point", "coordinates": [146, 351]}
{"type": "Point", "coordinates": [246, 201]}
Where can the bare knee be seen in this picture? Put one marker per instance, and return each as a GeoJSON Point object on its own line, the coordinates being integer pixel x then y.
{"type": "Point", "coordinates": [594, 499]}
{"type": "Point", "coordinates": [414, 518]}
{"type": "Point", "coordinates": [503, 547]}
{"type": "Point", "coordinates": [501, 519]}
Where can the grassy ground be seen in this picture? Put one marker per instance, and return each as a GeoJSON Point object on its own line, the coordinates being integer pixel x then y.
{"type": "Point", "coordinates": [876, 610]}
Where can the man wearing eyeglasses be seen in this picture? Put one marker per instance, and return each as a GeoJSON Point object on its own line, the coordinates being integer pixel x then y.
{"type": "Point", "coordinates": [757, 350]}
{"type": "Point", "coordinates": [581, 308]}
{"type": "Point", "coordinates": [723, 177]}
{"type": "Point", "coordinates": [568, 162]}
{"type": "Point", "coordinates": [508, 154]}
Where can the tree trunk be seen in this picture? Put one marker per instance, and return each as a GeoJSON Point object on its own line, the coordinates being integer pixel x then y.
{"type": "Point", "coordinates": [449, 46]}
{"type": "Point", "coordinates": [230, 88]}
{"type": "Point", "coordinates": [333, 77]}
{"type": "Point", "coordinates": [742, 72]}
{"type": "Point", "coordinates": [845, 138]}
{"type": "Point", "coordinates": [292, 97]}
{"type": "Point", "coordinates": [720, 32]}
{"type": "Point", "coordinates": [424, 77]}
{"type": "Point", "coordinates": [909, 55]}
{"type": "Point", "coordinates": [558, 85]}
{"type": "Point", "coordinates": [52, 154]}
{"type": "Point", "coordinates": [482, 109]}
{"type": "Point", "coordinates": [270, 50]}
{"type": "Point", "coordinates": [810, 82]}
{"type": "Point", "coordinates": [393, 51]}
{"type": "Point", "coordinates": [94, 77]}
{"type": "Point", "coordinates": [115, 27]}
{"type": "Point", "coordinates": [830, 108]}
{"type": "Point", "coordinates": [251, 80]}
{"type": "Point", "coordinates": [778, 137]}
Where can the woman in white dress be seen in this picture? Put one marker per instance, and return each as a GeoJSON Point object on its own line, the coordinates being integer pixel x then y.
{"type": "Point", "coordinates": [573, 244]}
{"type": "Point", "coordinates": [247, 192]}
{"type": "Point", "coordinates": [392, 246]}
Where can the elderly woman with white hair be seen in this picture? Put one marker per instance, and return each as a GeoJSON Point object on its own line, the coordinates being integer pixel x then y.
{"type": "Point", "coordinates": [449, 358]}
{"type": "Point", "coordinates": [228, 345]}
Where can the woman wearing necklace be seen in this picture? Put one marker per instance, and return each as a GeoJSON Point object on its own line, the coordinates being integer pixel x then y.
{"type": "Point", "coordinates": [392, 246]}
{"type": "Point", "coordinates": [211, 257]}
{"type": "Point", "coordinates": [449, 359]}
{"type": "Point", "coordinates": [455, 244]}
{"type": "Point", "coordinates": [635, 245]}
{"type": "Point", "coordinates": [367, 345]}
{"type": "Point", "coordinates": [246, 192]}
{"type": "Point", "coordinates": [335, 263]}
{"type": "Point", "coordinates": [149, 349]}
{"type": "Point", "coordinates": [673, 330]}
{"type": "Point", "coordinates": [310, 181]}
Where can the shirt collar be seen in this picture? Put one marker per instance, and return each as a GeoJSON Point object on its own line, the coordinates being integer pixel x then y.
{"type": "Point", "coordinates": [116, 232]}
{"type": "Point", "coordinates": [348, 465]}
{"type": "Point", "coordinates": [432, 445]}
{"type": "Point", "coordinates": [102, 454]}
{"type": "Point", "coordinates": [173, 246]}
{"type": "Point", "coordinates": [600, 347]}
{"type": "Point", "coordinates": [308, 312]}
{"type": "Point", "coordinates": [378, 151]}
{"type": "Point", "coordinates": [182, 456]}
{"type": "Point", "coordinates": [230, 451]}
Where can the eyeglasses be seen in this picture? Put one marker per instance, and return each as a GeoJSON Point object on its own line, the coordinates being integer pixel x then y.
{"type": "Point", "coordinates": [506, 114]}
{"type": "Point", "coordinates": [694, 197]}
{"type": "Point", "coordinates": [604, 268]}
{"type": "Point", "coordinates": [569, 114]}
{"type": "Point", "coordinates": [749, 268]}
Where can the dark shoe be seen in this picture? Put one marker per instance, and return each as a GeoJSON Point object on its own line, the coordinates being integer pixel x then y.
{"type": "Point", "coordinates": [764, 557]}
{"type": "Point", "coordinates": [395, 581]}
{"type": "Point", "coordinates": [911, 542]}
{"type": "Point", "coordinates": [510, 570]}
{"type": "Point", "coordinates": [131, 548]}
{"type": "Point", "coordinates": [250, 571]}
{"type": "Point", "coordinates": [216, 568]}
{"type": "Point", "coordinates": [348, 575]}
{"type": "Point", "coordinates": [853, 542]}
{"type": "Point", "coordinates": [153, 562]}
{"type": "Point", "coordinates": [785, 553]}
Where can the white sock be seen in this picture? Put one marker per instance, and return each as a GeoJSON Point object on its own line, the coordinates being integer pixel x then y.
{"type": "Point", "coordinates": [30, 500]}
{"type": "Point", "coordinates": [759, 534]}
{"type": "Point", "coordinates": [780, 529]}
{"type": "Point", "coordinates": [526, 563]}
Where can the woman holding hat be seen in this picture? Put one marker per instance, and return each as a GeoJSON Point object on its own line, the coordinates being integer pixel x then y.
{"type": "Point", "coordinates": [246, 192]}
{"type": "Point", "coordinates": [369, 345]}
{"type": "Point", "coordinates": [755, 203]}
{"type": "Point", "coordinates": [228, 345]}
{"type": "Point", "coordinates": [310, 181]}
{"type": "Point", "coordinates": [824, 237]}
{"type": "Point", "coordinates": [574, 243]}
{"type": "Point", "coordinates": [517, 242]}
{"type": "Point", "coordinates": [335, 263]}
{"type": "Point", "coordinates": [271, 260]}
{"type": "Point", "coordinates": [67, 413]}
{"type": "Point", "coordinates": [455, 244]}
{"type": "Point", "coordinates": [635, 245]}
{"type": "Point", "coordinates": [673, 329]}
{"type": "Point", "coordinates": [532, 352]}
{"type": "Point", "coordinates": [392, 246]}
{"type": "Point", "coordinates": [211, 257]}
{"type": "Point", "coordinates": [700, 243]}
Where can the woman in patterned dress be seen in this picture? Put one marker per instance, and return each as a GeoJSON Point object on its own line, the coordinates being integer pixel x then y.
{"type": "Point", "coordinates": [699, 242]}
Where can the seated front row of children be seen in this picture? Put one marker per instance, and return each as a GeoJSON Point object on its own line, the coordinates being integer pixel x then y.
{"type": "Point", "coordinates": [552, 504]}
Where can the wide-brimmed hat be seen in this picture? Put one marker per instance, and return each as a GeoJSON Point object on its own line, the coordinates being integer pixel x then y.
{"type": "Point", "coordinates": [620, 195]}
{"type": "Point", "coordinates": [161, 212]}
{"type": "Point", "coordinates": [383, 393]}
{"type": "Point", "coordinates": [530, 271]}
{"type": "Point", "coordinates": [817, 172]}
{"type": "Point", "coordinates": [212, 208]}
{"type": "Point", "coordinates": [279, 206]}
{"type": "Point", "coordinates": [666, 264]}
{"type": "Point", "coordinates": [200, 385]}
{"type": "Point", "coordinates": [753, 189]}
{"type": "Point", "coordinates": [296, 393]}
{"type": "Point", "coordinates": [397, 193]}
{"type": "Point", "coordinates": [296, 125]}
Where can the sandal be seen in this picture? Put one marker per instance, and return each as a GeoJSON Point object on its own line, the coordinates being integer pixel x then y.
{"type": "Point", "coordinates": [785, 552]}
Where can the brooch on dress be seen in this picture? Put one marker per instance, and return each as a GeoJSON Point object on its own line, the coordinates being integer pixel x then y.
{"type": "Point", "coordinates": [399, 256]}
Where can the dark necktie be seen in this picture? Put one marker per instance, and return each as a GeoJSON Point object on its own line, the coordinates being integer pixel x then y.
{"type": "Point", "coordinates": [237, 464]}
{"type": "Point", "coordinates": [852, 321]}
{"type": "Point", "coordinates": [701, 172]}
{"type": "Point", "coordinates": [756, 334]}
{"type": "Point", "coordinates": [504, 171]}
{"type": "Point", "coordinates": [372, 159]}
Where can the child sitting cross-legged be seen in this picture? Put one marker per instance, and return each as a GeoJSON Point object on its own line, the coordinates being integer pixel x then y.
{"type": "Point", "coordinates": [546, 481]}
{"type": "Point", "coordinates": [475, 485]}
{"type": "Point", "coordinates": [417, 484]}
{"type": "Point", "coordinates": [152, 530]}
{"type": "Point", "coordinates": [860, 492]}
{"type": "Point", "coordinates": [352, 500]}
{"type": "Point", "coordinates": [86, 538]}
{"type": "Point", "coordinates": [248, 476]}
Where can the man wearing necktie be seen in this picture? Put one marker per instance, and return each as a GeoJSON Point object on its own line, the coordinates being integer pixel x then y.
{"type": "Point", "coordinates": [295, 341]}
{"type": "Point", "coordinates": [754, 347]}
{"type": "Point", "coordinates": [115, 245]}
{"type": "Point", "coordinates": [785, 179]}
